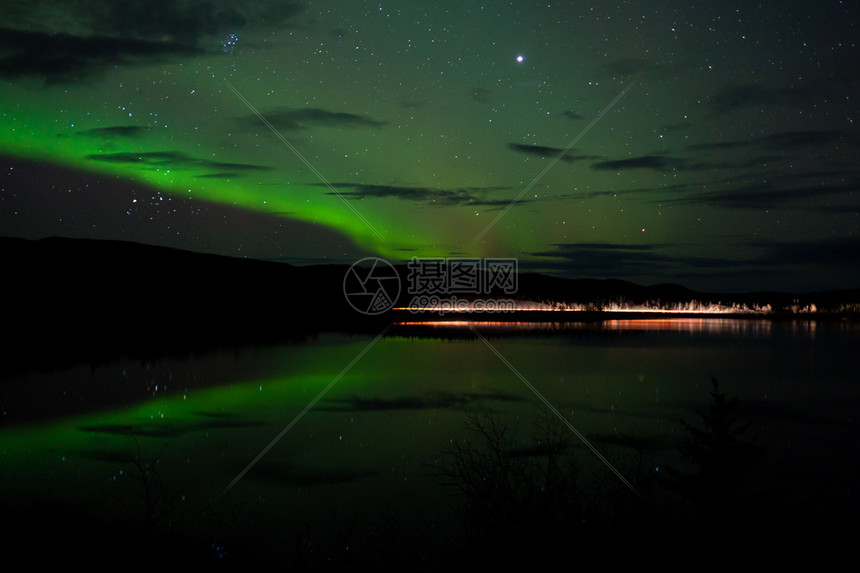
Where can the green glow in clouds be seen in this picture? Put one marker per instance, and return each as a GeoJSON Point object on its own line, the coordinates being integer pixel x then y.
{"type": "Point", "coordinates": [453, 130]}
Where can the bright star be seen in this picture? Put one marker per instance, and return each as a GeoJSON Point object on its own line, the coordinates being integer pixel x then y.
{"type": "Point", "coordinates": [520, 59]}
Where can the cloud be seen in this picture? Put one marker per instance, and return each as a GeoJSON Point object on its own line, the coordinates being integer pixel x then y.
{"type": "Point", "coordinates": [805, 265]}
{"type": "Point", "coordinates": [654, 162]}
{"type": "Point", "coordinates": [768, 195]}
{"type": "Point", "coordinates": [223, 175]}
{"type": "Point", "coordinates": [547, 152]}
{"type": "Point", "coordinates": [830, 84]}
{"type": "Point", "coordinates": [65, 42]}
{"type": "Point", "coordinates": [426, 402]}
{"type": "Point", "coordinates": [173, 428]}
{"type": "Point", "coordinates": [677, 126]}
{"type": "Point", "coordinates": [181, 21]}
{"type": "Point", "coordinates": [807, 138]}
{"type": "Point", "coordinates": [839, 252]}
{"type": "Point", "coordinates": [296, 119]}
{"type": "Point", "coordinates": [625, 66]}
{"type": "Point", "coordinates": [612, 259]}
{"type": "Point", "coordinates": [473, 196]}
{"type": "Point", "coordinates": [743, 95]}
{"type": "Point", "coordinates": [579, 195]}
{"type": "Point", "coordinates": [775, 262]}
{"type": "Point", "coordinates": [570, 114]}
{"type": "Point", "coordinates": [774, 188]}
{"type": "Point", "coordinates": [59, 58]}
{"type": "Point", "coordinates": [117, 131]}
{"type": "Point", "coordinates": [780, 141]}
{"type": "Point", "coordinates": [192, 21]}
{"type": "Point", "coordinates": [174, 160]}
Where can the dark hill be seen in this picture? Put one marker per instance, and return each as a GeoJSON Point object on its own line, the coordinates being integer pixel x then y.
{"type": "Point", "coordinates": [73, 299]}
{"type": "Point", "coordinates": [68, 298]}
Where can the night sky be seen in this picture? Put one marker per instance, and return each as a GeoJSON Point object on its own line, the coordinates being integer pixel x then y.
{"type": "Point", "coordinates": [712, 145]}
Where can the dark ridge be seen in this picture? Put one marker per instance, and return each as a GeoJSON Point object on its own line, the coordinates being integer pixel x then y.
{"type": "Point", "coordinates": [599, 292]}
{"type": "Point", "coordinates": [76, 300]}
{"type": "Point", "coordinates": [72, 301]}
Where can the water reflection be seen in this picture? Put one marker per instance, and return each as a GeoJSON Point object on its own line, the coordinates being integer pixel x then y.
{"type": "Point", "coordinates": [693, 325]}
{"type": "Point", "coordinates": [155, 443]}
{"type": "Point", "coordinates": [729, 326]}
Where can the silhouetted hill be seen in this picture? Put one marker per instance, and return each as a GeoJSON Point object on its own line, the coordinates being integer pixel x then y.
{"type": "Point", "coordinates": [67, 298]}
{"type": "Point", "coordinates": [72, 298]}
{"type": "Point", "coordinates": [601, 292]}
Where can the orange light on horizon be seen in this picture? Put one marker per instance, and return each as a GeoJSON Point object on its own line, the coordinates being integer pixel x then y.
{"type": "Point", "coordinates": [445, 310]}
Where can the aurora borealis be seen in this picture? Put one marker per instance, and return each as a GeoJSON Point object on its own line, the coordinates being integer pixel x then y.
{"type": "Point", "coordinates": [710, 145]}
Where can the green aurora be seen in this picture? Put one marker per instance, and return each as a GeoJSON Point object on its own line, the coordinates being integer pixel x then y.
{"type": "Point", "coordinates": [712, 146]}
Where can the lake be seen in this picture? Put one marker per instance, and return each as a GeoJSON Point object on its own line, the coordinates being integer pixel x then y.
{"type": "Point", "coordinates": [425, 447]}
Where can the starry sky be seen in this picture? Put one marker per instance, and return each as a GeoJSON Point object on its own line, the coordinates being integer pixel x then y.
{"type": "Point", "coordinates": [710, 144]}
